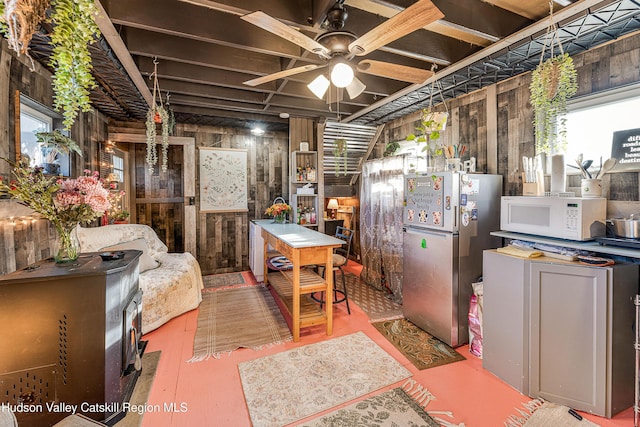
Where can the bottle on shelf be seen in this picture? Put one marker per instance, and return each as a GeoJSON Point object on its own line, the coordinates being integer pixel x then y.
{"type": "Point", "coordinates": [313, 215]}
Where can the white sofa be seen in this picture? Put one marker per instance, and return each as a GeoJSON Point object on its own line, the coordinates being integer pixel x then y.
{"type": "Point", "coordinates": [171, 282]}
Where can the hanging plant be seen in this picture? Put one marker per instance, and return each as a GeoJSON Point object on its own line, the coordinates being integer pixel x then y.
{"type": "Point", "coordinates": [340, 153]}
{"type": "Point", "coordinates": [157, 114]}
{"type": "Point", "coordinates": [432, 123]}
{"type": "Point", "coordinates": [19, 20]}
{"type": "Point", "coordinates": [553, 82]}
{"type": "Point", "coordinates": [74, 29]}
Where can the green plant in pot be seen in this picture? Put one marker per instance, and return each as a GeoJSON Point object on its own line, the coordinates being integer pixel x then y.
{"type": "Point", "coordinates": [429, 131]}
{"type": "Point", "coordinates": [553, 82]}
{"type": "Point", "coordinates": [52, 145]}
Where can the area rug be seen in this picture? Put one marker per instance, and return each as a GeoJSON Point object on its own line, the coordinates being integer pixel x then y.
{"type": "Point", "coordinates": [423, 350]}
{"type": "Point", "coordinates": [297, 383]}
{"type": "Point", "coordinates": [392, 408]}
{"type": "Point", "coordinates": [540, 413]}
{"type": "Point", "coordinates": [141, 390]}
{"type": "Point", "coordinates": [372, 301]}
{"type": "Point", "coordinates": [222, 280]}
{"type": "Point", "coordinates": [237, 317]}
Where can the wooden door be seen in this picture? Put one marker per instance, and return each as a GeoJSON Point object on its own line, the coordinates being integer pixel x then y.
{"type": "Point", "coordinates": [165, 201]}
{"type": "Point", "coordinates": [159, 196]}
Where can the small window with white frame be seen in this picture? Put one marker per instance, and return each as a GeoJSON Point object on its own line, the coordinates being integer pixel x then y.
{"type": "Point", "coordinates": [35, 118]}
{"type": "Point", "coordinates": [592, 120]}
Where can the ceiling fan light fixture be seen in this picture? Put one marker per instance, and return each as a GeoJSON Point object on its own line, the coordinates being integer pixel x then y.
{"type": "Point", "coordinates": [341, 74]}
{"type": "Point", "coordinates": [319, 86]}
{"type": "Point", "coordinates": [355, 88]}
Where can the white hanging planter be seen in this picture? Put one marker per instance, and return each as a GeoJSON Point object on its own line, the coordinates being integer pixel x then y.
{"type": "Point", "coordinates": [437, 120]}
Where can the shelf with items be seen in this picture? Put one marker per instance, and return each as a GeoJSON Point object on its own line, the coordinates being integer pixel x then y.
{"type": "Point", "coordinates": [305, 209]}
{"type": "Point", "coordinates": [304, 167]}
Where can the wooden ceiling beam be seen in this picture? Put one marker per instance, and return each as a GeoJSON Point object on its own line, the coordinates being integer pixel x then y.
{"type": "Point", "coordinates": [196, 23]}
{"type": "Point", "coordinates": [291, 11]}
{"type": "Point", "coordinates": [147, 43]}
{"type": "Point", "coordinates": [274, 118]}
{"type": "Point", "coordinates": [297, 85]}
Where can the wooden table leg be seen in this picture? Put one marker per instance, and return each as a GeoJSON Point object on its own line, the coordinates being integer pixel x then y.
{"type": "Point", "coordinates": [329, 294]}
{"type": "Point", "coordinates": [296, 295]}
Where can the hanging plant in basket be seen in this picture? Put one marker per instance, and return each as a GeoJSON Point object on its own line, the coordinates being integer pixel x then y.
{"type": "Point", "coordinates": [432, 124]}
{"type": "Point", "coordinates": [156, 114]}
{"type": "Point", "coordinates": [340, 153]}
{"type": "Point", "coordinates": [553, 82]}
{"type": "Point", "coordinates": [74, 29]}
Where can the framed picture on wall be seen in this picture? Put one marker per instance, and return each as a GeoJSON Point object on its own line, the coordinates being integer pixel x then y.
{"type": "Point", "coordinates": [223, 180]}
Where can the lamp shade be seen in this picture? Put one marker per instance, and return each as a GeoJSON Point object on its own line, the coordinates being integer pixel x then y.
{"type": "Point", "coordinates": [355, 88]}
{"type": "Point", "coordinates": [341, 74]}
{"type": "Point", "coordinates": [333, 204]}
{"type": "Point", "coordinates": [319, 86]}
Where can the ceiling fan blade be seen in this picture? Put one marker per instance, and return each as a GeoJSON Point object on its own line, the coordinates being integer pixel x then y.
{"type": "Point", "coordinates": [282, 74]}
{"type": "Point", "coordinates": [266, 22]}
{"type": "Point", "coordinates": [394, 71]}
{"type": "Point", "coordinates": [416, 16]}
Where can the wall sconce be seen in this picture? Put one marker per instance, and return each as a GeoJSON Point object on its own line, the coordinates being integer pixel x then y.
{"type": "Point", "coordinates": [333, 206]}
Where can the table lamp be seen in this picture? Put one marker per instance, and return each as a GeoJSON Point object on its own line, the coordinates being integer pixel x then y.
{"type": "Point", "coordinates": [333, 206]}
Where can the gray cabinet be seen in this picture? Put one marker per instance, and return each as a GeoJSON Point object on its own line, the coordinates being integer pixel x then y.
{"type": "Point", "coordinates": [561, 331]}
{"type": "Point", "coordinates": [505, 319]}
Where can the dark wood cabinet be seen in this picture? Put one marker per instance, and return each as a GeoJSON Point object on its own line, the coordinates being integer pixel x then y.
{"type": "Point", "coordinates": [68, 335]}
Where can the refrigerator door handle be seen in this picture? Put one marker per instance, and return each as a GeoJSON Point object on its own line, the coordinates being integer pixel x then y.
{"type": "Point", "coordinates": [455, 217]}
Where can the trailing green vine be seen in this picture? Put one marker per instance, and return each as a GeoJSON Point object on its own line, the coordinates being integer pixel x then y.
{"type": "Point", "coordinates": [340, 153]}
{"type": "Point", "coordinates": [553, 82]}
{"type": "Point", "coordinates": [75, 28]}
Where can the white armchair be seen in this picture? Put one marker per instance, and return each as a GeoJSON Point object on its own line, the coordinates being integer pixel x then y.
{"type": "Point", "coordinates": [171, 282]}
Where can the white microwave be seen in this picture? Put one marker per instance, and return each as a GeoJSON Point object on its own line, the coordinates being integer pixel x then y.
{"type": "Point", "coordinates": [571, 218]}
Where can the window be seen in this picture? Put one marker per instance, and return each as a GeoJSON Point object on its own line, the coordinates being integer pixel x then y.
{"type": "Point", "coordinates": [118, 166]}
{"type": "Point", "coordinates": [593, 119]}
{"type": "Point", "coordinates": [38, 118]}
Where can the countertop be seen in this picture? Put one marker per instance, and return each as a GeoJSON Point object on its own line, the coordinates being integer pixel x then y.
{"type": "Point", "coordinates": [297, 236]}
{"type": "Point", "coordinates": [591, 246]}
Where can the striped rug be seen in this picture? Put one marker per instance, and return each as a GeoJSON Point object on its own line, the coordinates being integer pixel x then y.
{"type": "Point", "coordinates": [229, 319]}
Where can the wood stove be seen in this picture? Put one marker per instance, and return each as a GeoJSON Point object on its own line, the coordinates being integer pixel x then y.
{"type": "Point", "coordinates": [70, 339]}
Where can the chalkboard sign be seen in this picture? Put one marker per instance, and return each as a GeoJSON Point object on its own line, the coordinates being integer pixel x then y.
{"type": "Point", "coordinates": [626, 149]}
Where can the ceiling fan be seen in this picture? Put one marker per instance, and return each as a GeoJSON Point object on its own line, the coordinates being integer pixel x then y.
{"type": "Point", "coordinates": [338, 47]}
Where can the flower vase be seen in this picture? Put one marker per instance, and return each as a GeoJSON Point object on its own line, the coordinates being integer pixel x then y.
{"type": "Point", "coordinates": [67, 245]}
{"type": "Point", "coordinates": [279, 219]}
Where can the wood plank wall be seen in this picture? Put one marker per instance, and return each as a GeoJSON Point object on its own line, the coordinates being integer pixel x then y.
{"type": "Point", "coordinates": [612, 65]}
{"type": "Point", "coordinates": [223, 238]}
{"type": "Point", "coordinates": [24, 241]}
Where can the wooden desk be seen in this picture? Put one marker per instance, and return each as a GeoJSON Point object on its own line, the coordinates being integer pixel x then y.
{"type": "Point", "coordinates": [302, 246]}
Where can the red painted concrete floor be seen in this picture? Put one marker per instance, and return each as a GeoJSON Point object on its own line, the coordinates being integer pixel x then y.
{"type": "Point", "coordinates": [209, 393]}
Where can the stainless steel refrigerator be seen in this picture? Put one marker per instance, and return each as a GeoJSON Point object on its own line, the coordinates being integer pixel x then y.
{"type": "Point", "coordinates": [447, 220]}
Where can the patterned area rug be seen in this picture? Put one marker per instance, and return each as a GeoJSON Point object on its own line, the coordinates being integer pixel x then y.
{"type": "Point", "coordinates": [372, 301]}
{"type": "Point", "coordinates": [423, 350]}
{"type": "Point", "coordinates": [222, 280]}
{"type": "Point", "coordinates": [392, 408]}
{"type": "Point", "coordinates": [237, 317]}
{"type": "Point", "coordinates": [297, 383]}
